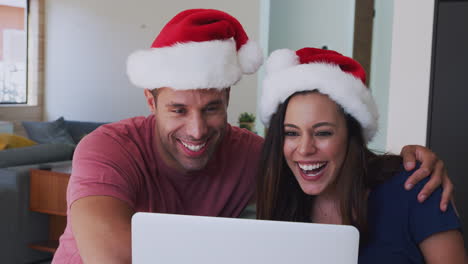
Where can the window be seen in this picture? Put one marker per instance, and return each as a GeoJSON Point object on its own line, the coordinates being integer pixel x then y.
{"type": "Point", "coordinates": [13, 51]}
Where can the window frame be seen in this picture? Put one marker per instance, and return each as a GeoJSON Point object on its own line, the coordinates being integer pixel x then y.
{"type": "Point", "coordinates": [27, 32]}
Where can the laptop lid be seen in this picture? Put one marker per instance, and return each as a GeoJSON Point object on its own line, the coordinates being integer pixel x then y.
{"type": "Point", "coordinates": [177, 239]}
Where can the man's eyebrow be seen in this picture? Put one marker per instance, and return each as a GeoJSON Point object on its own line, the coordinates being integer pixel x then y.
{"type": "Point", "coordinates": [215, 102]}
{"type": "Point", "coordinates": [211, 103]}
{"type": "Point", "coordinates": [172, 104]}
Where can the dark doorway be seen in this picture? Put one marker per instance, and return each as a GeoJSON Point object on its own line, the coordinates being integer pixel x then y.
{"type": "Point", "coordinates": [363, 25]}
{"type": "Point", "coordinates": [448, 109]}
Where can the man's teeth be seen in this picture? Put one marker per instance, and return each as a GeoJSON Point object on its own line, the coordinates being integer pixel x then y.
{"type": "Point", "coordinates": [309, 167]}
{"type": "Point", "coordinates": [193, 147]}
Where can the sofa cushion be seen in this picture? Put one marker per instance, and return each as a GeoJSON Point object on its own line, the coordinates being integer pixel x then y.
{"type": "Point", "coordinates": [36, 154]}
{"type": "Point", "coordinates": [48, 132]}
{"type": "Point", "coordinates": [8, 141]}
{"type": "Point", "coordinates": [79, 129]}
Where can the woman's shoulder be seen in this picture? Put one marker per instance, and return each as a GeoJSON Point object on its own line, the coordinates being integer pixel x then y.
{"type": "Point", "coordinates": [395, 184]}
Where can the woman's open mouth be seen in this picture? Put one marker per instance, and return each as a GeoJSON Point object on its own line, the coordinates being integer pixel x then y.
{"type": "Point", "coordinates": [312, 171]}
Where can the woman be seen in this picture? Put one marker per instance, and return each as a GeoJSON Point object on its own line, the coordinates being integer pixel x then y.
{"type": "Point", "coordinates": [316, 166]}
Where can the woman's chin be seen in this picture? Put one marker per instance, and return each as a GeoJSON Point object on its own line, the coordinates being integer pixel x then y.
{"type": "Point", "coordinates": [316, 189]}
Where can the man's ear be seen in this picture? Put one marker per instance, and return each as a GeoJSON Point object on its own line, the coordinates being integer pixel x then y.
{"type": "Point", "coordinates": [228, 92]}
{"type": "Point", "coordinates": [150, 101]}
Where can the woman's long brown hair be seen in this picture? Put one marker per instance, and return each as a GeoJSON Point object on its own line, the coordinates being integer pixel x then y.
{"type": "Point", "coordinates": [279, 196]}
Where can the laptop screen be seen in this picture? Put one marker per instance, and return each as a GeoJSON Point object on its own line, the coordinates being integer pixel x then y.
{"type": "Point", "coordinates": [171, 239]}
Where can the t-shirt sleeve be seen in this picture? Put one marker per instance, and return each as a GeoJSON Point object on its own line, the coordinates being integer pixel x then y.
{"type": "Point", "coordinates": [102, 166]}
{"type": "Point", "coordinates": [426, 219]}
{"type": "Point", "coordinates": [254, 155]}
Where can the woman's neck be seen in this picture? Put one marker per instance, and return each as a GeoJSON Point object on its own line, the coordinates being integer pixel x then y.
{"type": "Point", "coordinates": [326, 209]}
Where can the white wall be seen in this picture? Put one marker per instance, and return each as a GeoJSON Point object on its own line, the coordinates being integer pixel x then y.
{"type": "Point", "coordinates": [88, 41]}
{"type": "Point", "coordinates": [312, 23]}
{"type": "Point", "coordinates": [410, 73]}
{"type": "Point", "coordinates": [380, 67]}
{"type": "Point", "coordinates": [264, 42]}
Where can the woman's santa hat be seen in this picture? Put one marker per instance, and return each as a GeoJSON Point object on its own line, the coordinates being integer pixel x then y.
{"type": "Point", "coordinates": [197, 49]}
{"type": "Point", "coordinates": [341, 78]}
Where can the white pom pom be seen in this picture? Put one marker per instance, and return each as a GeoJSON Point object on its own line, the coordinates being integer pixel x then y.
{"type": "Point", "coordinates": [250, 57]}
{"type": "Point", "coordinates": [281, 59]}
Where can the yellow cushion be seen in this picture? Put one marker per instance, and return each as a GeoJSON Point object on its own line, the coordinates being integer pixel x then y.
{"type": "Point", "coordinates": [8, 141]}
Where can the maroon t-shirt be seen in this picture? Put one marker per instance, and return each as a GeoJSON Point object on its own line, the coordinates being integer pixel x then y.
{"type": "Point", "coordinates": [120, 160]}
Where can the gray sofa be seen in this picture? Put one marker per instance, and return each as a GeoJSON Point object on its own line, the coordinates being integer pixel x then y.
{"type": "Point", "coordinates": [50, 148]}
{"type": "Point", "coordinates": [18, 225]}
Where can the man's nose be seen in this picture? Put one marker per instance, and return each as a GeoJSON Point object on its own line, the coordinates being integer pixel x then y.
{"type": "Point", "coordinates": [197, 127]}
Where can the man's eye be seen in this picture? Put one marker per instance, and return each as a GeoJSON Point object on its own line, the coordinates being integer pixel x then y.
{"type": "Point", "coordinates": [179, 111]}
{"type": "Point", "coordinates": [211, 109]}
{"type": "Point", "coordinates": [323, 133]}
{"type": "Point", "coordinates": [290, 133]}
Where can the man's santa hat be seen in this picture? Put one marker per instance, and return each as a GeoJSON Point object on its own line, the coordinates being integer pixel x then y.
{"type": "Point", "coordinates": [341, 78]}
{"type": "Point", "coordinates": [197, 49]}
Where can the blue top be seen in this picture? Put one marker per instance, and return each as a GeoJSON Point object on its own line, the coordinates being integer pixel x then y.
{"type": "Point", "coordinates": [398, 222]}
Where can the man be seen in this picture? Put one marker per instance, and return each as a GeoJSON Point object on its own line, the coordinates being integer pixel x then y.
{"type": "Point", "coordinates": [184, 158]}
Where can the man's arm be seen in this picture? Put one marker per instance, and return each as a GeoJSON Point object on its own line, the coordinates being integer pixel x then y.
{"type": "Point", "coordinates": [102, 229]}
{"type": "Point", "coordinates": [430, 165]}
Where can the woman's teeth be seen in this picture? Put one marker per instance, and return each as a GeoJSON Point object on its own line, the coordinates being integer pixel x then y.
{"type": "Point", "coordinates": [312, 170]}
{"type": "Point", "coordinates": [309, 167]}
{"type": "Point", "coordinates": [193, 147]}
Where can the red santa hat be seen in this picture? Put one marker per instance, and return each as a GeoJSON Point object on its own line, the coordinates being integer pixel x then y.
{"type": "Point", "coordinates": [341, 78]}
{"type": "Point", "coordinates": [197, 49]}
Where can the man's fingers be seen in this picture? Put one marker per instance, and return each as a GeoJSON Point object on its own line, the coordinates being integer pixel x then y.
{"type": "Point", "coordinates": [417, 176]}
{"type": "Point", "coordinates": [446, 195]}
{"type": "Point", "coordinates": [429, 188]}
{"type": "Point", "coordinates": [439, 176]}
{"type": "Point", "coordinates": [428, 159]}
{"type": "Point", "coordinates": [408, 153]}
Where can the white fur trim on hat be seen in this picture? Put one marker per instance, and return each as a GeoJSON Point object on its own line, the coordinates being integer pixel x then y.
{"type": "Point", "coordinates": [343, 88]}
{"type": "Point", "coordinates": [250, 57]}
{"type": "Point", "coordinates": [185, 66]}
{"type": "Point", "coordinates": [281, 59]}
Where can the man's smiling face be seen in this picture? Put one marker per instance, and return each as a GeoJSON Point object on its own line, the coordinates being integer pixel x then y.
{"type": "Point", "coordinates": [190, 125]}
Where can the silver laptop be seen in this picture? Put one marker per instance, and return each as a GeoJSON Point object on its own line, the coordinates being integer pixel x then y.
{"type": "Point", "coordinates": [177, 239]}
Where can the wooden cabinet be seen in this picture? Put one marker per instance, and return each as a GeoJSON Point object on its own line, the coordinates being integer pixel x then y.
{"type": "Point", "coordinates": [48, 195]}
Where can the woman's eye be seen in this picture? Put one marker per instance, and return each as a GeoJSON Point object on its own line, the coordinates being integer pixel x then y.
{"type": "Point", "coordinates": [323, 133]}
{"type": "Point", "coordinates": [290, 133]}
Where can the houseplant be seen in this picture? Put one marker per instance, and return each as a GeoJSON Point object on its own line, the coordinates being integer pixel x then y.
{"type": "Point", "coordinates": [247, 120]}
